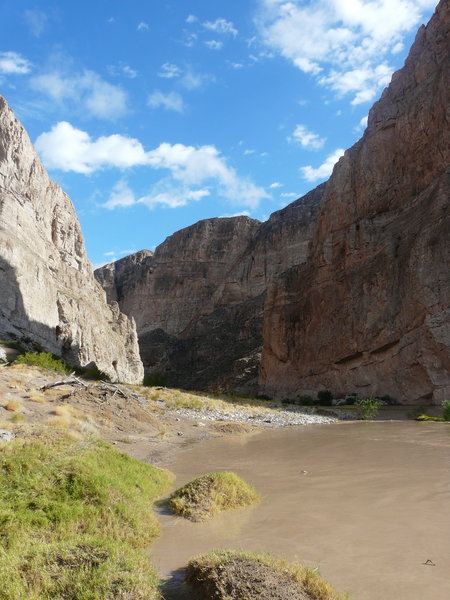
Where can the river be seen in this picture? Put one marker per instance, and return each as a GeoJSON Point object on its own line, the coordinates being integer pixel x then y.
{"type": "Point", "coordinates": [368, 503]}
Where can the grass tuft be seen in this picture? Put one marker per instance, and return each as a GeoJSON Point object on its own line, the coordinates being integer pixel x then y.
{"type": "Point", "coordinates": [210, 494]}
{"type": "Point", "coordinates": [209, 571]}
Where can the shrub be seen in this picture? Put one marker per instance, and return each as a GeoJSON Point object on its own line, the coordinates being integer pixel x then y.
{"type": "Point", "coordinates": [325, 397]}
{"type": "Point", "coordinates": [368, 407]}
{"type": "Point", "coordinates": [155, 380]}
{"type": "Point", "coordinates": [210, 494]}
{"type": "Point", "coordinates": [446, 410]}
{"type": "Point", "coordinates": [306, 400]}
{"type": "Point", "coordinates": [263, 397]}
{"type": "Point", "coordinates": [45, 360]}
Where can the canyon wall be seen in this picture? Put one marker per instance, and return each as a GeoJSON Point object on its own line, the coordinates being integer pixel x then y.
{"type": "Point", "coordinates": [347, 288]}
{"type": "Point", "coordinates": [49, 296]}
{"type": "Point", "coordinates": [198, 300]}
{"type": "Point", "coordinates": [369, 311]}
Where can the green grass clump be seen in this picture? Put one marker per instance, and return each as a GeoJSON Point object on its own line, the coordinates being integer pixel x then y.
{"type": "Point", "coordinates": [74, 516]}
{"type": "Point", "coordinates": [45, 360]}
{"type": "Point", "coordinates": [428, 418]}
{"type": "Point", "coordinates": [210, 494]}
{"type": "Point", "coordinates": [368, 407]}
{"type": "Point", "coordinates": [446, 410]}
{"type": "Point", "coordinates": [209, 572]}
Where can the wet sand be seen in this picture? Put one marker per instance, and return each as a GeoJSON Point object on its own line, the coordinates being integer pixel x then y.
{"type": "Point", "coordinates": [366, 502]}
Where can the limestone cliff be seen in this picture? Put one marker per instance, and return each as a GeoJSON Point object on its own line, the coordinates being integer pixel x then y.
{"type": "Point", "coordinates": [369, 310]}
{"type": "Point", "coordinates": [48, 292]}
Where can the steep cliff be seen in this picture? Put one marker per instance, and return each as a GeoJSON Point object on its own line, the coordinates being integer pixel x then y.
{"type": "Point", "coordinates": [369, 310]}
{"type": "Point", "coordinates": [198, 301]}
{"type": "Point", "coordinates": [48, 292]}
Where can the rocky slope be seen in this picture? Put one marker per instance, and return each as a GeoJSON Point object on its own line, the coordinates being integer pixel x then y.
{"type": "Point", "coordinates": [346, 288]}
{"type": "Point", "coordinates": [48, 292]}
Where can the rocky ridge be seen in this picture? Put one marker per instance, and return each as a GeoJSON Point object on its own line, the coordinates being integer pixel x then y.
{"type": "Point", "coordinates": [50, 298]}
{"type": "Point", "coordinates": [347, 288]}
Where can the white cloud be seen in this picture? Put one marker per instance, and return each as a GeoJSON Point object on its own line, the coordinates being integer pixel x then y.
{"type": "Point", "coordinates": [221, 26]}
{"type": "Point", "coordinates": [243, 213]}
{"type": "Point", "coordinates": [169, 71]}
{"type": "Point", "coordinates": [122, 69]}
{"type": "Point", "coordinates": [36, 21]}
{"type": "Point", "coordinates": [306, 138]}
{"type": "Point", "coordinates": [343, 43]}
{"type": "Point", "coordinates": [142, 26]}
{"type": "Point", "coordinates": [88, 90]}
{"type": "Point", "coordinates": [213, 44]}
{"type": "Point", "coordinates": [324, 170]}
{"type": "Point", "coordinates": [191, 19]}
{"type": "Point", "coordinates": [362, 124]}
{"type": "Point", "coordinates": [169, 101]}
{"type": "Point", "coordinates": [192, 171]}
{"type": "Point", "coordinates": [14, 64]}
{"type": "Point", "coordinates": [275, 184]}
{"type": "Point", "coordinates": [289, 195]}
{"type": "Point", "coordinates": [69, 149]}
{"type": "Point", "coordinates": [194, 81]}
{"type": "Point", "coordinates": [249, 151]}
{"type": "Point", "coordinates": [236, 65]}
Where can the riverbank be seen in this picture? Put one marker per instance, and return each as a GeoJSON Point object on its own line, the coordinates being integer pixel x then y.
{"type": "Point", "coordinates": [151, 424]}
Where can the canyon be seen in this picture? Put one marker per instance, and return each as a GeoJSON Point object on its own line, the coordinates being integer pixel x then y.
{"type": "Point", "coordinates": [345, 289]}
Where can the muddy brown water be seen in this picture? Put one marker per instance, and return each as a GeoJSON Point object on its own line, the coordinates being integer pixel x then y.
{"type": "Point", "coordinates": [366, 503]}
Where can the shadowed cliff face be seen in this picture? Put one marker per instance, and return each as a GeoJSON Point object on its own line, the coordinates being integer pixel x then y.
{"type": "Point", "coordinates": [369, 310]}
{"type": "Point", "coordinates": [198, 300]}
{"type": "Point", "coordinates": [47, 288]}
{"type": "Point", "coordinates": [347, 288]}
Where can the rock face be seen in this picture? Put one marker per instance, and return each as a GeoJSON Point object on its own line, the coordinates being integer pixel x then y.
{"type": "Point", "coordinates": [369, 310]}
{"type": "Point", "coordinates": [347, 288]}
{"type": "Point", "coordinates": [198, 300]}
{"type": "Point", "coordinates": [49, 296]}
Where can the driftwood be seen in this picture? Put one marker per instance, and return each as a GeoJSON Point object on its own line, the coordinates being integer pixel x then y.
{"type": "Point", "coordinates": [73, 381]}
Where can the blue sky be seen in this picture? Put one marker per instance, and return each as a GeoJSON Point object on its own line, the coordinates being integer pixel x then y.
{"type": "Point", "coordinates": [153, 115]}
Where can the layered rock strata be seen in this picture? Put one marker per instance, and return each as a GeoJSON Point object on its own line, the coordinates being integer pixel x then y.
{"type": "Point", "coordinates": [49, 296]}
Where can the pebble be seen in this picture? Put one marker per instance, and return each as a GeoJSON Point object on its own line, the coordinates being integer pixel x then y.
{"type": "Point", "coordinates": [281, 418]}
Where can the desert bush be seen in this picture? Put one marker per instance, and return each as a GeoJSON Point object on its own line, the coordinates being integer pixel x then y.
{"type": "Point", "coordinates": [368, 407]}
{"type": "Point", "coordinates": [306, 400]}
{"type": "Point", "coordinates": [446, 410]}
{"type": "Point", "coordinates": [325, 397]}
{"type": "Point", "coordinates": [45, 360]}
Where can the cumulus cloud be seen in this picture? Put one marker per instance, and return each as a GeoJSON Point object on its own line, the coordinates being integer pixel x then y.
{"type": "Point", "coordinates": [324, 170]}
{"type": "Point", "coordinates": [69, 149]}
{"type": "Point", "coordinates": [87, 90]}
{"type": "Point", "coordinates": [191, 19]}
{"type": "Point", "coordinates": [275, 184]}
{"type": "Point", "coordinates": [169, 101]}
{"type": "Point", "coordinates": [192, 170]}
{"type": "Point", "coordinates": [14, 64]}
{"type": "Point", "coordinates": [306, 138]}
{"type": "Point", "coordinates": [345, 44]}
{"type": "Point", "coordinates": [169, 71]}
{"type": "Point", "coordinates": [221, 26]}
{"type": "Point", "coordinates": [142, 26]}
{"type": "Point", "coordinates": [194, 81]}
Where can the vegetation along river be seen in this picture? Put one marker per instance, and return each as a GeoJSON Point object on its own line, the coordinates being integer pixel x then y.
{"type": "Point", "coordinates": [368, 503]}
